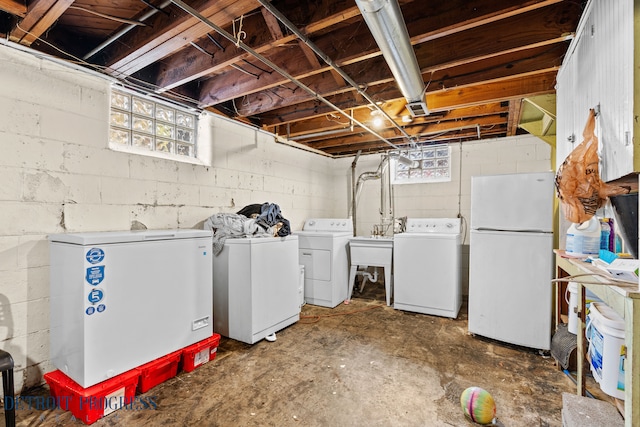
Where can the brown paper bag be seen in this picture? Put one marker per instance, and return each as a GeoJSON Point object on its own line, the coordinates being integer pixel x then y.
{"type": "Point", "coordinates": [578, 181]}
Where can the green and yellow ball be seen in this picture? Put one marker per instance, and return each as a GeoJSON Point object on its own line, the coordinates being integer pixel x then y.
{"type": "Point", "coordinates": [478, 405]}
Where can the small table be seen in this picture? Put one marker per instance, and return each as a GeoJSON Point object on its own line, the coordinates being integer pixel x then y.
{"type": "Point", "coordinates": [371, 252]}
{"type": "Point", "coordinates": [621, 298]}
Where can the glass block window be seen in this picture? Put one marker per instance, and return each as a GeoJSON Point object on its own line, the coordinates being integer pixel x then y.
{"type": "Point", "coordinates": [148, 125]}
{"type": "Point", "coordinates": [428, 164]}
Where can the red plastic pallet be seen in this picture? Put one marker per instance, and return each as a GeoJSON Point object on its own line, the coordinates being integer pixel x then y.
{"type": "Point", "coordinates": [92, 403]}
{"type": "Point", "coordinates": [200, 353]}
{"type": "Point", "coordinates": [158, 371]}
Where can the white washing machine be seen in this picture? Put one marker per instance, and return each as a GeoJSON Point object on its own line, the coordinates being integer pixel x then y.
{"type": "Point", "coordinates": [255, 287]}
{"type": "Point", "coordinates": [426, 266]}
{"type": "Point", "coordinates": [323, 250]}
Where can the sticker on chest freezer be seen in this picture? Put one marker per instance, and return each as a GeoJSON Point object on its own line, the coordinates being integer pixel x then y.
{"type": "Point", "coordinates": [95, 275]}
{"type": "Point", "coordinates": [95, 296]}
{"type": "Point", "coordinates": [95, 255]}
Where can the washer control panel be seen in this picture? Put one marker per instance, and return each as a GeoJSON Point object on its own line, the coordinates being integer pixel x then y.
{"type": "Point", "coordinates": [328, 224]}
{"type": "Point", "coordinates": [433, 225]}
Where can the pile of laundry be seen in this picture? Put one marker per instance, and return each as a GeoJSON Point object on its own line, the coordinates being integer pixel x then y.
{"type": "Point", "coordinates": [255, 220]}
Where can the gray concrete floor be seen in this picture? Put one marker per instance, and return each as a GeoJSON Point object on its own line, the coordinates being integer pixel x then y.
{"type": "Point", "coordinates": [362, 364]}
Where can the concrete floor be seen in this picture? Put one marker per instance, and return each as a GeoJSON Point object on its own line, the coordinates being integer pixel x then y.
{"type": "Point", "coordinates": [362, 364]}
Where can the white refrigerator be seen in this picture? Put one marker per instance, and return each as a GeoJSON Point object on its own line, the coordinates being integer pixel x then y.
{"type": "Point", "coordinates": [511, 258]}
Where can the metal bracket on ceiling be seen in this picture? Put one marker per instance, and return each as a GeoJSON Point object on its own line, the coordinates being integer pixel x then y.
{"type": "Point", "coordinates": [257, 76]}
{"type": "Point", "coordinates": [275, 93]}
{"type": "Point", "coordinates": [201, 49]}
{"type": "Point", "coordinates": [216, 42]}
{"type": "Point", "coordinates": [255, 66]}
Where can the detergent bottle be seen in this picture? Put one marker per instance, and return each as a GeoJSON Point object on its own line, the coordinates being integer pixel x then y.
{"type": "Point", "coordinates": [605, 232]}
{"type": "Point", "coordinates": [584, 239]}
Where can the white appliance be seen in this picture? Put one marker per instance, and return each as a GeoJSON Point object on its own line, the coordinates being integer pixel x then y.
{"type": "Point", "coordinates": [122, 299]}
{"type": "Point", "coordinates": [373, 251]}
{"type": "Point", "coordinates": [426, 267]}
{"type": "Point", "coordinates": [323, 250]}
{"type": "Point", "coordinates": [511, 258]}
{"type": "Point", "coordinates": [255, 287]}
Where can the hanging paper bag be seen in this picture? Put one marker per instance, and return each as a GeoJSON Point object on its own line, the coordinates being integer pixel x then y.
{"type": "Point", "coordinates": [578, 181]}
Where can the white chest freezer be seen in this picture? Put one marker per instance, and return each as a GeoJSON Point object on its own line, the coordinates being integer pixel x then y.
{"type": "Point", "coordinates": [122, 299]}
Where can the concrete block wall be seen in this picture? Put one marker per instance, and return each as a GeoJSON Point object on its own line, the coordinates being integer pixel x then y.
{"type": "Point", "coordinates": [518, 154]}
{"type": "Point", "coordinates": [59, 176]}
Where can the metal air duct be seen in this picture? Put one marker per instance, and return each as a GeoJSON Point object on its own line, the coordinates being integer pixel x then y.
{"type": "Point", "coordinates": [385, 21]}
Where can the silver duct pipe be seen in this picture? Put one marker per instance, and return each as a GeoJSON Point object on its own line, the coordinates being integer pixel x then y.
{"type": "Point", "coordinates": [383, 174]}
{"type": "Point", "coordinates": [385, 21]}
{"type": "Point", "coordinates": [353, 191]}
{"type": "Point", "coordinates": [275, 12]}
{"type": "Point", "coordinates": [276, 68]}
{"type": "Point", "coordinates": [383, 189]}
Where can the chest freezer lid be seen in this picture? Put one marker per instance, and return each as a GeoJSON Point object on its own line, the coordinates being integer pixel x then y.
{"type": "Point", "coordinates": [105, 237]}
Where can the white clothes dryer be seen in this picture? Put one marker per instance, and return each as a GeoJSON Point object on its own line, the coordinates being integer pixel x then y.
{"type": "Point", "coordinates": [323, 250]}
{"type": "Point", "coordinates": [426, 265]}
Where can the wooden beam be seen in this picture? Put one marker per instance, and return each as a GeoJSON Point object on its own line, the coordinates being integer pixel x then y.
{"type": "Point", "coordinates": [379, 146]}
{"type": "Point", "coordinates": [41, 15]}
{"type": "Point", "coordinates": [505, 37]}
{"type": "Point", "coordinates": [515, 108]}
{"type": "Point", "coordinates": [315, 63]}
{"type": "Point", "coordinates": [499, 90]}
{"type": "Point", "coordinates": [179, 71]}
{"type": "Point", "coordinates": [288, 109]}
{"type": "Point", "coordinates": [14, 7]}
{"type": "Point", "coordinates": [360, 47]}
{"type": "Point", "coordinates": [457, 16]}
{"type": "Point", "coordinates": [422, 130]}
{"type": "Point", "coordinates": [363, 115]}
{"type": "Point", "coordinates": [272, 24]}
{"type": "Point", "coordinates": [166, 35]}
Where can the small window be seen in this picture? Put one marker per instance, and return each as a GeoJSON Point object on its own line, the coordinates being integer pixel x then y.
{"type": "Point", "coordinates": [428, 164]}
{"type": "Point", "coordinates": [147, 125]}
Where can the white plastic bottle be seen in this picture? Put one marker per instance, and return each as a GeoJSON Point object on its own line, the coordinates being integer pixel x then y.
{"type": "Point", "coordinates": [584, 239]}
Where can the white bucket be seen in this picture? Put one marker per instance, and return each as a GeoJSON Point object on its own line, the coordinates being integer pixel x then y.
{"type": "Point", "coordinates": [605, 333]}
{"type": "Point", "coordinates": [571, 297]}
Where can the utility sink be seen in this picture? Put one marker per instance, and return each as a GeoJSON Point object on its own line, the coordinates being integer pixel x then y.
{"type": "Point", "coordinates": [371, 252]}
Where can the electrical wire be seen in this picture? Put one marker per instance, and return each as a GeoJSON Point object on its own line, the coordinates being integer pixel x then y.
{"type": "Point", "coordinates": [604, 276]}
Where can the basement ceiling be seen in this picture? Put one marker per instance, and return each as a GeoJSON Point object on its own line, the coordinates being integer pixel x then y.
{"type": "Point", "coordinates": [481, 60]}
